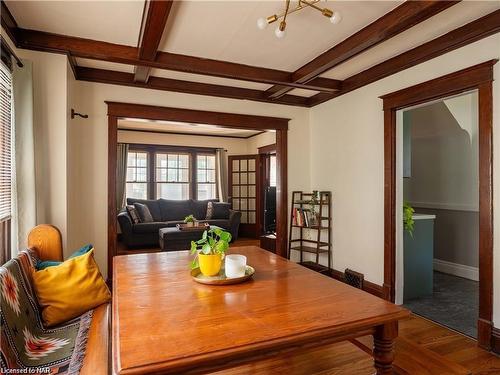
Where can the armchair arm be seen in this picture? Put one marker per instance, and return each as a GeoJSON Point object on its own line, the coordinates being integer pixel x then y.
{"type": "Point", "coordinates": [125, 222]}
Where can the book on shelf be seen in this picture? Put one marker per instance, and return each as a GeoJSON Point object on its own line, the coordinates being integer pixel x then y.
{"type": "Point", "coordinates": [302, 217]}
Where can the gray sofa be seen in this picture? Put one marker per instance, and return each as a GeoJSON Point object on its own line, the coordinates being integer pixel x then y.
{"type": "Point", "coordinates": [169, 213]}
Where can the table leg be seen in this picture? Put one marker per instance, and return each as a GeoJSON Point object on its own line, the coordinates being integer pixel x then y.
{"type": "Point", "coordinates": [383, 347]}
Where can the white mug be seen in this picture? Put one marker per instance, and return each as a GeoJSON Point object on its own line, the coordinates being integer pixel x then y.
{"type": "Point", "coordinates": [235, 265]}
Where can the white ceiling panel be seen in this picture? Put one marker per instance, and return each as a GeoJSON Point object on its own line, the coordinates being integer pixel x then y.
{"type": "Point", "coordinates": [448, 20]}
{"type": "Point", "coordinates": [302, 92]}
{"type": "Point", "coordinates": [227, 30]}
{"type": "Point", "coordinates": [208, 79]}
{"type": "Point", "coordinates": [104, 65]}
{"type": "Point", "coordinates": [109, 21]}
{"type": "Point", "coordinates": [183, 128]}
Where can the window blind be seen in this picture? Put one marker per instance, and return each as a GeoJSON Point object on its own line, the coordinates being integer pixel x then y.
{"type": "Point", "coordinates": [5, 142]}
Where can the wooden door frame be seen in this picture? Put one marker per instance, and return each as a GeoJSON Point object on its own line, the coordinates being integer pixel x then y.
{"type": "Point", "coordinates": [478, 77]}
{"type": "Point", "coordinates": [117, 110]}
{"type": "Point", "coordinates": [264, 152]}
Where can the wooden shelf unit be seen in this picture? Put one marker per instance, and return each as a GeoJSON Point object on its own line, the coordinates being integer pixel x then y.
{"type": "Point", "coordinates": [323, 208]}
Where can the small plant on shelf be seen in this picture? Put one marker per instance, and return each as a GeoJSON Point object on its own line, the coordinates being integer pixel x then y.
{"type": "Point", "coordinates": [408, 222]}
{"type": "Point", "coordinates": [209, 251]}
{"type": "Point", "coordinates": [190, 220]}
{"type": "Point", "coordinates": [313, 202]}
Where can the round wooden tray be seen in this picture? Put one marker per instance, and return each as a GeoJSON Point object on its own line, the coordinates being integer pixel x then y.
{"type": "Point", "coordinates": [221, 279]}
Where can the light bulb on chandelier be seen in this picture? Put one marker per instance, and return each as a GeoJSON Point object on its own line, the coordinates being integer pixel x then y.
{"type": "Point", "coordinates": [262, 23]}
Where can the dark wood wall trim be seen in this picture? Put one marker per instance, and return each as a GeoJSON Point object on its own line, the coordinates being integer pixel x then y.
{"type": "Point", "coordinates": [128, 110]}
{"type": "Point", "coordinates": [495, 340]}
{"type": "Point", "coordinates": [269, 149]}
{"type": "Point", "coordinates": [469, 33]}
{"type": "Point", "coordinates": [226, 120]}
{"type": "Point", "coordinates": [368, 286]}
{"type": "Point", "coordinates": [478, 77]}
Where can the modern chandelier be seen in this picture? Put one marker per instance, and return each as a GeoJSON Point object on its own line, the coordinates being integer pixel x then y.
{"type": "Point", "coordinates": [335, 17]}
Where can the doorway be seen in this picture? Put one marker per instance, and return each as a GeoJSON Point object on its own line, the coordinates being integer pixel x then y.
{"type": "Point", "coordinates": [117, 111]}
{"type": "Point", "coordinates": [438, 239]}
{"type": "Point", "coordinates": [478, 77]}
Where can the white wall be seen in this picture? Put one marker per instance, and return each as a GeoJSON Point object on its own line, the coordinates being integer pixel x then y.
{"type": "Point", "coordinates": [347, 157]}
{"type": "Point", "coordinates": [264, 139]}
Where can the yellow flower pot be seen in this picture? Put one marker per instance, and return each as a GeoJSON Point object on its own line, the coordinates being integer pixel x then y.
{"type": "Point", "coordinates": [210, 264]}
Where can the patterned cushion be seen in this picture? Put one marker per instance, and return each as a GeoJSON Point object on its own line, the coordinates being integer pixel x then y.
{"type": "Point", "coordinates": [132, 211]}
{"type": "Point", "coordinates": [218, 210]}
{"type": "Point", "coordinates": [25, 343]}
{"type": "Point", "coordinates": [144, 213]}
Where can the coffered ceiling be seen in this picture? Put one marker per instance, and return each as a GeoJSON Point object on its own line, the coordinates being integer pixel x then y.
{"type": "Point", "coordinates": [214, 47]}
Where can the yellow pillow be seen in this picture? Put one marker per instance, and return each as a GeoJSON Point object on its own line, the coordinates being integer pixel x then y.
{"type": "Point", "coordinates": [70, 289]}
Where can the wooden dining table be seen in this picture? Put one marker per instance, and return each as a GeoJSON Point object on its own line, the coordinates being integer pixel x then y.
{"type": "Point", "coordinates": [163, 322]}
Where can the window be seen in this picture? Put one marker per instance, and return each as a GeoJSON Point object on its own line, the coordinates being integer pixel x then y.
{"type": "Point", "coordinates": [205, 171]}
{"type": "Point", "coordinates": [171, 172]}
{"type": "Point", "coordinates": [272, 170]}
{"type": "Point", "coordinates": [6, 169]}
{"type": "Point", "coordinates": [172, 176]}
{"type": "Point", "coordinates": [137, 175]}
{"type": "Point", "coordinates": [5, 143]}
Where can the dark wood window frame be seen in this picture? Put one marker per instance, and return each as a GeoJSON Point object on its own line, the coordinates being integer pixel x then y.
{"type": "Point", "coordinates": [478, 77]}
{"type": "Point", "coordinates": [152, 150]}
{"type": "Point", "coordinates": [117, 110]}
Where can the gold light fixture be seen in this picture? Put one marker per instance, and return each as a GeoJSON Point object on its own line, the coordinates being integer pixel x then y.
{"type": "Point", "coordinates": [262, 23]}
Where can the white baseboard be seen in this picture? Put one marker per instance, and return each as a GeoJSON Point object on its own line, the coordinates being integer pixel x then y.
{"type": "Point", "coordinates": [461, 270]}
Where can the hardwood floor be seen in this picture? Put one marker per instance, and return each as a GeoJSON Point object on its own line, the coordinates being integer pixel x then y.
{"type": "Point", "coordinates": [423, 348]}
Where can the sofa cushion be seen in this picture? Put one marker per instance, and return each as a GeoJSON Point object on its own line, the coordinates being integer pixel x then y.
{"type": "Point", "coordinates": [41, 265]}
{"type": "Point", "coordinates": [70, 289]}
{"type": "Point", "coordinates": [144, 213]}
{"type": "Point", "coordinates": [218, 210]}
{"type": "Point", "coordinates": [199, 208]}
{"type": "Point", "coordinates": [153, 205]}
{"type": "Point", "coordinates": [134, 215]}
{"type": "Point", "coordinates": [174, 209]}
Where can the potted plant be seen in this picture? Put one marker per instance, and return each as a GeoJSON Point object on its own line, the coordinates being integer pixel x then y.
{"type": "Point", "coordinates": [313, 202]}
{"type": "Point", "coordinates": [408, 221]}
{"type": "Point", "coordinates": [189, 220]}
{"type": "Point", "coordinates": [210, 250]}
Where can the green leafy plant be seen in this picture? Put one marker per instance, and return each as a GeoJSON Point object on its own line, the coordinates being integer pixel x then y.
{"type": "Point", "coordinates": [189, 219]}
{"type": "Point", "coordinates": [409, 223]}
{"type": "Point", "coordinates": [313, 202]}
{"type": "Point", "coordinates": [214, 241]}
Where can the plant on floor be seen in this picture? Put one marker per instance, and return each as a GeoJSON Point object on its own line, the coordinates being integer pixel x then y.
{"type": "Point", "coordinates": [409, 223]}
{"type": "Point", "coordinates": [209, 250]}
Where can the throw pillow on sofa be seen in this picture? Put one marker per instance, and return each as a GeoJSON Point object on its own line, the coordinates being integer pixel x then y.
{"type": "Point", "coordinates": [134, 215]}
{"type": "Point", "coordinates": [144, 213]}
{"type": "Point", "coordinates": [41, 265]}
{"type": "Point", "coordinates": [218, 210]}
{"type": "Point", "coordinates": [70, 289]}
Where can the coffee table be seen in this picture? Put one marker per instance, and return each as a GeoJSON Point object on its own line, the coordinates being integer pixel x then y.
{"type": "Point", "coordinates": [174, 239]}
{"type": "Point", "coordinates": [166, 323]}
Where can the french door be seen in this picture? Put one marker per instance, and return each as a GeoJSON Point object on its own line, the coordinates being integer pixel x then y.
{"type": "Point", "coordinates": [244, 188]}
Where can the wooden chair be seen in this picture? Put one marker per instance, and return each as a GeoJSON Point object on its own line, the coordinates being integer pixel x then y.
{"type": "Point", "coordinates": [46, 240]}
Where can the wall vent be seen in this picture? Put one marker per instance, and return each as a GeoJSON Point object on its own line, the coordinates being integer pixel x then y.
{"type": "Point", "coordinates": [354, 278]}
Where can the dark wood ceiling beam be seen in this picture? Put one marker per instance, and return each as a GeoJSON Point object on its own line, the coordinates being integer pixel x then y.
{"type": "Point", "coordinates": [154, 19]}
{"type": "Point", "coordinates": [167, 84]}
{"type": "Point", "coordinates": [8, 22]}
{"type": "Point", "coordinates": [400, 19]}
{"type": "Point", "coordinates": [469, 33]}
{"type": "Point", "coordinates": [104, 51]}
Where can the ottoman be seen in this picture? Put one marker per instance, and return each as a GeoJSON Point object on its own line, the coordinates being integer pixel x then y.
{"type": "Point", "coordinates": [174, 239]}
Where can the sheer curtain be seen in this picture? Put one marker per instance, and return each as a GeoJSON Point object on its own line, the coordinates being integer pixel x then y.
{"type": "Point", "coordinates": [121, 175]}
{"type": "Point", "coordinates": [23, 187]}
{"type": "Point", "coordinates": [221, 168]}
